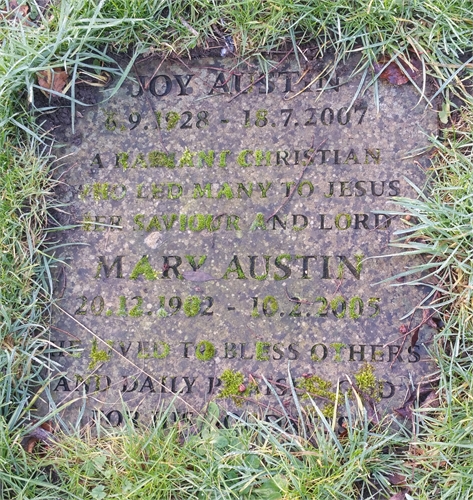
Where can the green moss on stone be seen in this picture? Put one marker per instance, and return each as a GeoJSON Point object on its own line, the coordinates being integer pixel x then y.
{"type": "Point", "coordinates": [204, 350]}
{"type": "Point", "coordinates": [98, 355]}
{"type": "Point", "coordinates": [122, 160]}
{"type": "Point", "coordinates": [338, 346]}
{"type": "Point", "coordinates": [262, 155]}
{"type": "Point", "coordinates": [166, 349]}
{"type": "Point", "coordinates": [358, 265]}
{"type": "Point", "coordinates": [235, 269]}
{"type": "Point", "coordinates": [278, 262]}
{"type": "Point", "coordinates": [142, 355]}
{"type": "Point", "coordinates": [135, 312]}
{"type": "Point", "coordinates": [313, 385]}
{"type": "Point", "coordinates": [335, 302]}
{"type": "Point", "coordinates": [191, 306]}
{"type": "Point", "coordinates": [232, 383]}
{"type": "Point", "coordinates": [373, 302]}
{"type": "Point", "coordinates": [191, 260]}
{"type": "Point", "coordinates": [262, 351]}
{"type": "Point", "coordinates": [143, 267]}
{"type": "Point", "coordinates": [241, 158]}
{"type": "Point", "coordinates": [110, 123]}
{"type": "Point", "coordinates": [187, 158]}
{"type": "Point", "coordinates": [314, 357]}
{"type": "Point", "coordinates": [140, 161]}
{"type": "Point", "coordinates": [160, 159]}
{"type": "Point", "coordinates": [365, 378]}
{"type": "Point", "coordinates": [261, 117]}
{"type": "Point", "coordinates": [234, 386]}
{"type": "Point", "coordinates": [222, 162]}
{"type": "Point", "coordinates": [87, 222]}
{"type": "Point", "coordinates": [261, 277]}
{"type": "Point", "coordinates": [161, 313]}
{"type": "Point", "coordinates": [199, 222]}
{"type": "Point", "coordinates": [153, 224]}
{"type": "Point", "coordinates": [207, 158]}
{"type": "Point", "coordinates": [172, 119]}
{"type": "Point", "coordinates": [328, 409]}
{"type": "Point", "coordinates": [348, 221]}
{"type": "Point", "coordinates": [226, 191]}
{"type": "Point", "coordinates": [258, 223]}
{"type": "Point", "coordinates": [100, 191]}
{"type": "Point", "coordinates": [270, 305]}
{"type": "Point", "coordinates": [368, 383]}
{"type": "Point", "coordinates": [352, 307]}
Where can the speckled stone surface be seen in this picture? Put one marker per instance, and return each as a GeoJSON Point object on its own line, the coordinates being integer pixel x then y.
{"type": "Point", "coordinates": [230, 225]}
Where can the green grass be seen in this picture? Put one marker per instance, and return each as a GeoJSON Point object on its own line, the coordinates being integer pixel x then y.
{"type": "Point", "coordinates": [255, 459]}
{"type": "Point", "coordinates": [80, 35]}
{"type": "Point", "coordinates": [441, 448]}
{"type": "Point", "coordinates": [26, 198]}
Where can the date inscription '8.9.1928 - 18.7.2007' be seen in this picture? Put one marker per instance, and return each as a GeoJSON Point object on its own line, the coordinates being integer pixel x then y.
{"type": "Point", "coordinates": [225, 229]}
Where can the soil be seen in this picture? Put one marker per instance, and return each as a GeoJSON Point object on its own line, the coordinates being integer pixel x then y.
{"type": "Point", "coordinates": [54, 122]}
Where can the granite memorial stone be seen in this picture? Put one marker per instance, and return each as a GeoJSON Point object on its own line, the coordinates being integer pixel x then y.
{"type": "Point", "coordinates": [226, 229]}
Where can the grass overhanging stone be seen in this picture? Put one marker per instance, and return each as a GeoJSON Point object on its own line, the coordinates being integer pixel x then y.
{"type": "Point", "coordinates": [50, 52]}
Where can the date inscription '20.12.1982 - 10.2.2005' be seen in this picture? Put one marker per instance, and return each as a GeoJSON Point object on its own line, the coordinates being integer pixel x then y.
{"type": "Point", "coordinates": [229, 222]}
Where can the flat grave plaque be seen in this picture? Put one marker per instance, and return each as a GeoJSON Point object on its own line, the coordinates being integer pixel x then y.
{"type": "Point", "coordinates": [226, 225]}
